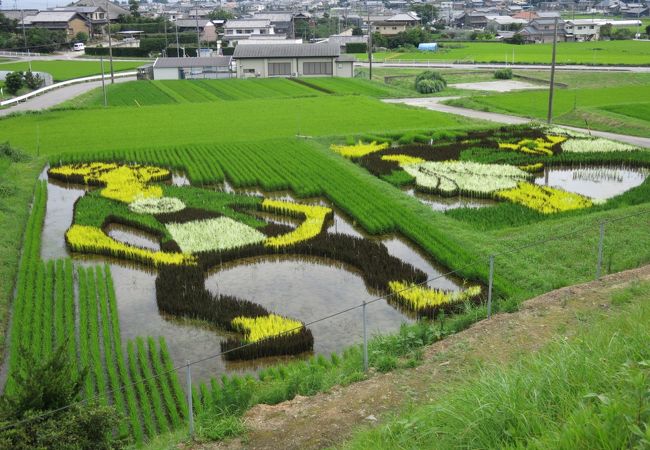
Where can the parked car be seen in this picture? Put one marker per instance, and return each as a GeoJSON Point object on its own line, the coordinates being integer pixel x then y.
{"type": "Point", "coordinates": [78, 47]}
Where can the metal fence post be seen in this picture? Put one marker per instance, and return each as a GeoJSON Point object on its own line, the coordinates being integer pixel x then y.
{"type": "Point", "coordinates": [489, 302]}
{"type": "Point", "coordinates": [601, 243]}
{"type": "Point", "coordinates": [190, 408]}
{"type": "Point", "coordinates": [365, 339]}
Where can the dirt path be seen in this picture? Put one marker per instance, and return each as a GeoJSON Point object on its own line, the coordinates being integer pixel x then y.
{"type": "Point", "coordinates": [330, 418]}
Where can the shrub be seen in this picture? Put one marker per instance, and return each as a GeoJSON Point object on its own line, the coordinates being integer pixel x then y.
{"type": "Point", "coordinates": [503, 74]}
{"type": "Point", "coordinates": [356, 47]}
{"type": "Point", "coordinates": [430, 86]}
{"type": "Point", "coordinates": [429, 75]}
{"type": "Point", "coordinates": [14, 81]}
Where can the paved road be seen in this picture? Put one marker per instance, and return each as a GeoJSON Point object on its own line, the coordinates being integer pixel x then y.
{"type": "Point", "coordinates": [57, 96]}
{"type": "Point", "coordinates": [434, 103]}
{"type": "Point", "coordinates": [439, 65]}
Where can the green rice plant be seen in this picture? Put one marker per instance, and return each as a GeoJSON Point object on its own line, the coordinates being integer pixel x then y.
{"type": "Point", "coordinates": [119, 360]}
{"type": "Point", "coordinates": [39, 300]}
{"type": "Point", "coordinates": [152, 386]}
{"type": "Point", "coordinates": [163, 384]}
{"type": "Point", "coordinates": [69, 305]}
{"type": "Point", "coordinates": [172, 377]}
{"type": "Point", "coordinates": [84, 328]}
{"type": "Point", "coordinates": [109, 359]}
{"type": "Point", "coordinates": [48, 310]}
{"type": "Point", "coordinates": [145, 402]}
{"type": "Point", "coordinates": [94, 336]}
{"type": "Point", "coordinates": [59, 303]}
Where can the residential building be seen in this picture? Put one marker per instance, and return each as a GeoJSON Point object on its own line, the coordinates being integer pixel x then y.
{"type": "Point", "coordinates": [95, 15]}
{"type": "Point", "coordinates": [293, 60]}
{"type": "Point", "coordinates": [114, 10]}
{"type": "Point", "coordinates": [541, 30]}
{"type": "Point", "coordinates": [70, 22]}
{"type": "Point", "coordinates": [192, 68]}
{"type": "Point", "coordinates": [236, 30]}
{"type": "Point", "coordinates": [207, 30]}
{"type": "Point", "coordinates": [393, 25]}
{"type": "Point", "coordinates": [589, 29]}
{"type": "Point", "coordinates": [282, 22]}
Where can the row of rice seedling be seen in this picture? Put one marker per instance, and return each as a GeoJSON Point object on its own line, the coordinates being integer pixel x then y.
{"type": "Point", "coordinates": [25, 283]}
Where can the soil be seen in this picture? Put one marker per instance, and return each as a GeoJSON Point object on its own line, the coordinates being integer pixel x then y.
{"type": "Point", "coordinates": [330, 418]}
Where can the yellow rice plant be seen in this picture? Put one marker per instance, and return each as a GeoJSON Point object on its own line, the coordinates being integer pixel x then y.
{"type": "Point", "coordinates": [546, 200]}
{"type": "Point", "coordinates": [122, 182]}
{"type": "Point", "coordinates": [539, 146]}
{"type": "Point", "coordinates": [86, 239]}
{"type": "Point", "coordinates": [358, 150]}
{"type": "Point", "coordinates": [403, 159]}
{"type": "Point", "coordinates": [532, 168]}
{"type": "Point", "coordinates": [263, 327]}
{"type": "Point", "coordinates": [314, 216]}
{"type": "Point", "coordinates": [419, 298]}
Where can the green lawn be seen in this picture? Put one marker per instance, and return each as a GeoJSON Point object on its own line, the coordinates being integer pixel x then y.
{"type": "Point", "coordinates": [246, 120]}
{"type": "Point", "coordinates": [601, 52]}
{"type": "Point", "coordinates": [66, 70]}
{"type": "Point", "coordinates": [599, 108]}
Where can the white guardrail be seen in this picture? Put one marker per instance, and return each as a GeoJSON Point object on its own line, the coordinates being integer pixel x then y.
{"type": "Point", "coordinates": [4, 53]}
{"type": "Point", "coordinates": [45, 89]}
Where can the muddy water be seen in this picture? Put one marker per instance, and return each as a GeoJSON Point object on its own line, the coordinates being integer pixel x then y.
{"type": "Point", "coordinates": [306, 289]}
{"type": "Point", "coordinates": [599, 183]}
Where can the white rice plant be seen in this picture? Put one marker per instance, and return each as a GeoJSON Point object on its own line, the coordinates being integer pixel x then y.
{"type": "Point", "coordinates": [221, 233]}
{"type": "Point", "coordinates": [156, 205]}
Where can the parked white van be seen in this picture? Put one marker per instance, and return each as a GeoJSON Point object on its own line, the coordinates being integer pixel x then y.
{"type": "Point", "coordinates": [78, 47]}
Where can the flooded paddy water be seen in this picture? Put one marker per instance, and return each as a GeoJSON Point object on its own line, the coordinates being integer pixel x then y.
{"type": "Point", "coordinates": [304, 288]}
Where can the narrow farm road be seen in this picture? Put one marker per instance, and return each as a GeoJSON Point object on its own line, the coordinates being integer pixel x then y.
{"type": "Point", "coordinates": [57, 96]}
{"type": "Point", "coordinates": [329, 419]}
{"type": "Point", "coordinates": [435, 104]}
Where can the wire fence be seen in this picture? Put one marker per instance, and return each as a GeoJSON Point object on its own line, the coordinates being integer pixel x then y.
{"type": "Point", "coordinates": [490, 259]}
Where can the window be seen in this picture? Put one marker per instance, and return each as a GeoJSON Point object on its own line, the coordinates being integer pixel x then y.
{"type": "Point", "coordinates": [279, 69]}
{"type": "Point", "coordinates": [317, 68]}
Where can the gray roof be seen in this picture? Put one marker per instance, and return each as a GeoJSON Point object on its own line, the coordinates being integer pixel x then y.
{"type": "Point", "coordinates": [16, 14]}
{"type": "Point", "coordinates": [285, 51]}
{"type": "Point", "coordinates": [248, 23]}
{"type": "Point", "coordinates": [213, 61]}
{"type": "Point", "coordinates": [191, 23]}
{"type": "Point", "coordinates": [52, 16]}
{"type": "Point", "coordinates": [274, 17]}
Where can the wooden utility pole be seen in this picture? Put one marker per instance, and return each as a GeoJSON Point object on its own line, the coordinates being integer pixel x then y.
{"type": "Point", "coordinates": [549, 118]}
{"type": "Point", "coordinates": [369, 42]}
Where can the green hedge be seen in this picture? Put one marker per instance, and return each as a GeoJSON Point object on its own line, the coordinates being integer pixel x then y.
{"type": "Point", "coordinates": [157, 27]}
{"type": "Point", "coordinates": [356, 47]}
{"type": "Point", "coordinates": [119, 51]}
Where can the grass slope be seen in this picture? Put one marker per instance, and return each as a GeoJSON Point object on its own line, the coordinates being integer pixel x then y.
{"type": "Point", "coordinates": [590, 391]}
{"type": "Point", "coordinates": [66, 70]}
{"type": "Point", "coordinates": [594, 53]}
{"type": "Point", "coordinates": [605, 108]}
{"type": "Point", "coordinates": [122, 128]}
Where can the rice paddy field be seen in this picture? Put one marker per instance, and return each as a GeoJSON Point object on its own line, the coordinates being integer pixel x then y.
{"type": "Point", "coordinates": [633, 53]}
{"type": "Point", "coordinates": [67, 70]}
{"type": "Point", "coordinates": [184, 228]}
{"type": "Point", "coordinates": [144, 93]}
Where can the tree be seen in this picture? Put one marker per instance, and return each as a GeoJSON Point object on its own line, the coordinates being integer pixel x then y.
{"type": "Point", "coordinates": [44, 402]}
{"type": "Point", "coordinates": [357, 31]}
{"type": "Point", "coordinates": [221, 14]}
{"type": "Point", "coordinates": [33, 81]}
{"type": "Point", "coordinates": [606, 31]}
{"type": "Point", "coordinates": [647, 30]}
{"type": "Point", "coordinates": [134, 6]}
{"type": "Point", "coordinates": [14, 81]}
{"type": "Point", "coordinates": [81, 37]}
{"type": "Point", "coordinates": [426, 12]}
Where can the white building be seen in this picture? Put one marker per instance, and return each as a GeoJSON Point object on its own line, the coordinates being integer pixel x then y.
{"type": "Point", "coordinates": [236, 30]}
{"type": "Point", "coordinates": [293, 60]}
{"type": "Point", "coordinates": [192, 68]}
{"type": "Point", "coordinates": [589, 29]}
